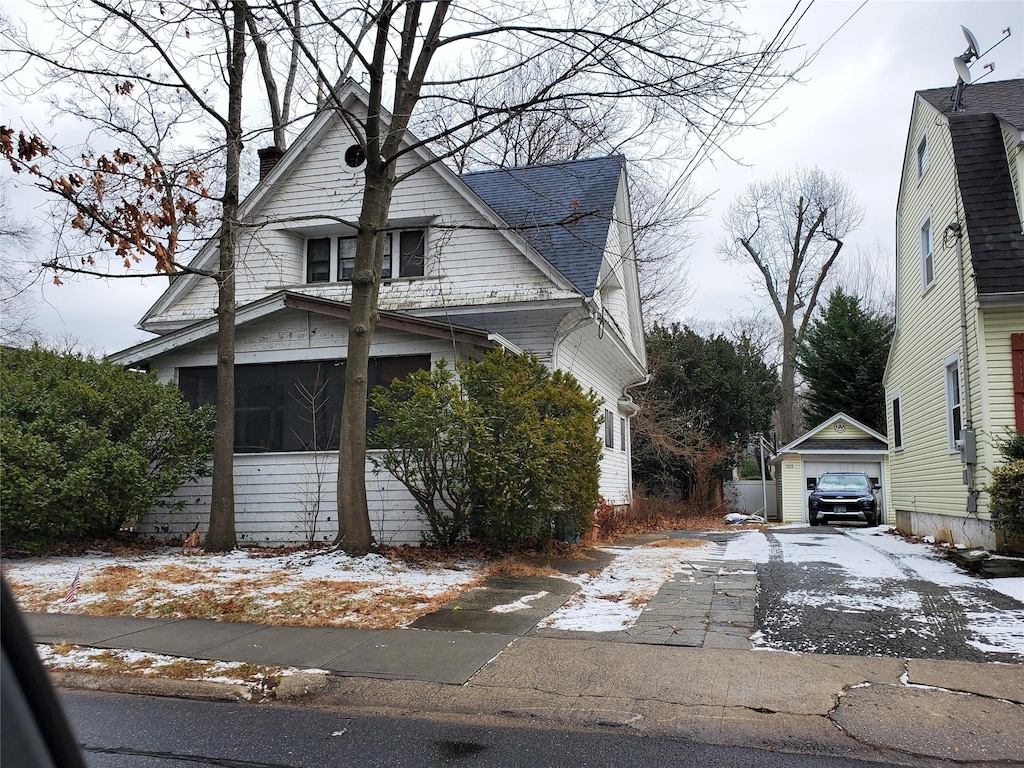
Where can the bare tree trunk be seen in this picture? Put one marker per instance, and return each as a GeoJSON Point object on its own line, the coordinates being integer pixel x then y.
{"type": "Point", "coordinates": [354, 534]}
{"type": "Point", "coordinates": [221, 535]}
{"type": "Point", "coordinates": [787, 407]}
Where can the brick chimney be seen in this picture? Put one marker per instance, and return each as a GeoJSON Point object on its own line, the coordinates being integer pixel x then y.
{"type": "Point", "coordinates": [269, 157]}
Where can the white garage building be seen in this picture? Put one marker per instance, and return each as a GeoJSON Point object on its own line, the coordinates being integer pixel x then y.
{"type": "Point", "coordinates": [841, 444]}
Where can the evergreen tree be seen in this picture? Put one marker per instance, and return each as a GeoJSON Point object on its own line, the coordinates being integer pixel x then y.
{"type": "Point", "coordinates": [707, 397]}
{"type": "Point", "coordinates": [841, 357]}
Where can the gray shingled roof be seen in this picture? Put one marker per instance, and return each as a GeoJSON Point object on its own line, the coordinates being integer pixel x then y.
{"type": "Point", "coordinates": [992, 218]}
{"type": "Point", "coordinates": [563, 210]}
{"type": "Point", "coordinates": [844, 444]}
{"type": "Point", "coordinates": [1000, 97]}
{"type": "Point", "coordinates": [993, 222]}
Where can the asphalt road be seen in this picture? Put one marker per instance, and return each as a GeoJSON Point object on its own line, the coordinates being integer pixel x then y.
{"type": "Point", "coordinates": [824, 592]}
{"type": "Point", "coordinates": [127, 731]}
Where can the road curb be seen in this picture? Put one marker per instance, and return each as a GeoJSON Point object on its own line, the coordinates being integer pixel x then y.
{"type": "Point", "coordinates": [152, 686]}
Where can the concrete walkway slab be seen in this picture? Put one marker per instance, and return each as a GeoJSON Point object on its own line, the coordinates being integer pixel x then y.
{"type": "Point", "coordinates": [416, 654]}
{"type": "Point", "coordinates": [304, 647]}
{"type": "Point", "coordinates": [185, 637]}
{"type": "Point", "coordinates": [80, 629]}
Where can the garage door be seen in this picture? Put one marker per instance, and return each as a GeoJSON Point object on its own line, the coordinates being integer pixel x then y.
{"type": "Point", "coordinates": [873, 469]}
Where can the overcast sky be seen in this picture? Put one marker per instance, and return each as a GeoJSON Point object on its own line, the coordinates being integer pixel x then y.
{"type": "Point", "coordinates": [849, 114]}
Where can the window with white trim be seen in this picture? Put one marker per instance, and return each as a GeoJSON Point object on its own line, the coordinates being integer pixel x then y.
{"type": "Point", "coordinates": [334, 259]}
{"type": "Point", "coordinates": [927, 254]}
{"type": "Point", "coordinates": [953, 405]}
{"type": "Point", "coordinates": [622, 434]}
{"type": "Point", "coordinates": [922, 156]}
{"type": "Point", "coordinates": [609, 429]}
{"type": "Point", "coordinates": [897, 421]}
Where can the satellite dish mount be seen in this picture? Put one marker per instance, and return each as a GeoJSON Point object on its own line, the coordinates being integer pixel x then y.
{"type": "Point", "coordinates": [961, 62]}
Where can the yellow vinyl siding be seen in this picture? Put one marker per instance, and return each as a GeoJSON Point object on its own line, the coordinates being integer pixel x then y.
{"type": "Point", "coordinates": [926, 476]}
{"type": "Point", "coordinates": [793, 489]}
{"type": "Point", "coordinates": [993, 415]}
{"type": "Point", "coordinates": [852, 432]}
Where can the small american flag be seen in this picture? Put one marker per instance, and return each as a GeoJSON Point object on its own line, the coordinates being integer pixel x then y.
{"type": "Point", "coordinates": [73, 592]}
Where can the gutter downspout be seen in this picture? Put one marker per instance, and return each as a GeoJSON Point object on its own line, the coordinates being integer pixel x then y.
{"type": "Point", "coordinates": [968, 445]}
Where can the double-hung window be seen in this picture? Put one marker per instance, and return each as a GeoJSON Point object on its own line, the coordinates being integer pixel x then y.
{"type": "Point", "coordinates": [927, 254]}
{"type": "Point", "coordinates": [609, 429]}
{"type": "Point", "coordinates": [922, 156]}
{"type": "Point", "coordinates": [318, 260]}
{"type": "Point", "coordinates": [953, 414]}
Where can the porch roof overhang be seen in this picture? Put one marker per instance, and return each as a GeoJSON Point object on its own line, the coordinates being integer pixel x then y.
{"type": "Point", "coordinates": [288, 300]}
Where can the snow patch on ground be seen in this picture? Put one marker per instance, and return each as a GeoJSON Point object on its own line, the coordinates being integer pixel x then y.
{"type": "Point", "coordinates": [612, 600]}
{"type": "Point", "coordinates": [521, 604]}
{"type": "Point", "coordinates": [748, 545]}
{"type": "Point", "coordinates": [167, 577]}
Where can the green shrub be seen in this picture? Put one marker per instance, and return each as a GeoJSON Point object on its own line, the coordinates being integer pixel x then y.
{"type": "Point", "coordinates": [88, 445]}
{"type": "Point", "coordinates": [426, 428]}
{"type": "Point", "coordinates": [1012, 447]}
{"type": "Point", "coordinates": [1007, 497]}
{"type": "Point", "coordinates": [510, 457]}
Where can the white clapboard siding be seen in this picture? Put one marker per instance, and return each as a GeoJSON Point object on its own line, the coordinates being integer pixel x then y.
{"type": "Point", "coordinates": [467, 261]}
{"type": "Point", "coordinates": [594, 363]}
{"type": "Point", "coordinates": [274, 500]}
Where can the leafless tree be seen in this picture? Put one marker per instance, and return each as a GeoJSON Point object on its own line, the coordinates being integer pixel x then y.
{"type": "Point", "coordinates": [869, 273]}
{"type": "Point", "coordinates": [16, 277]}
{"type": "Point", "coordinates": [792, 228]}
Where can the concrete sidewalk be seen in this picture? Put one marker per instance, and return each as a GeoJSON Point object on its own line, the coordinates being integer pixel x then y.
{"type": "Point", "coordinates": [916, 712]}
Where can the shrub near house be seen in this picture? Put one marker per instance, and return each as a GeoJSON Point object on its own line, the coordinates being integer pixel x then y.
{"type": "Point", "coordinates": [507, 456]}
{"type": "Point", "coordinates": [88, 445]}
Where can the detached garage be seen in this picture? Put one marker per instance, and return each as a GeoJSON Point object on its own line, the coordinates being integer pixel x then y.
{"type": "Point", "coordinates": [841, 444]}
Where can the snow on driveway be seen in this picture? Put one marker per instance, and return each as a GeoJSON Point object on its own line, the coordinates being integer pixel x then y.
{"type": "Point", "coordinates": [613, 599]}
{"type": "Point", "coordinates": [904, 593]}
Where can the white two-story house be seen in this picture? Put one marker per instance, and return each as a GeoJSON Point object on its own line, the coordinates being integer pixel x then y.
{"type": "Point", "coordinates": [955, 376]}
{"type": "Point", "coordinates": [536, 259]}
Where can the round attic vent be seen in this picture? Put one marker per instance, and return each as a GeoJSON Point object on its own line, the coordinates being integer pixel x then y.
{"type": "Point", "coordinates": [354, 156]}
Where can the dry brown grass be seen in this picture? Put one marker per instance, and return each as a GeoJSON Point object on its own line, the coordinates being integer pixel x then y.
{"type": "Point", "coordinates": [113, 579]}
{"type": "Point", "coordinates": [678, 543]}
{"type": "Point", "coordinates": [522, 565]}
{"type": "Point", "coordinates": [112, 662]}
{"type": "Point", "coordinates": [649, 514]}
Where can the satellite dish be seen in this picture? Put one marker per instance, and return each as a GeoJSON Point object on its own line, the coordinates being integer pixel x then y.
{"type": "Point", "coordinates": [973, 46]}
{"type": "Point", "coordinates": [962, 70]}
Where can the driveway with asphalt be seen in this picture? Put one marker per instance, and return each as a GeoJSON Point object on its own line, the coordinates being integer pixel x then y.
{"type": "Point", "coordinates": [866, 592]}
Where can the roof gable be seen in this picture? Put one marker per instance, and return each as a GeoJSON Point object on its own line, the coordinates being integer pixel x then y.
{"type": "Point", "coordinates": [564, 210]}
{"type": "Point", "coordinates": [819, 437]}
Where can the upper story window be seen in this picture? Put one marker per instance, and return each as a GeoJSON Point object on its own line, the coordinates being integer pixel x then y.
{"type": "Point", "coordinates": [318, 260]}
{"type": "Point", "coordinates": [953, 418]}
{"type": "Point", "coordinates": [333, 259]}
{"type": "Point", "coordinates": [927, 254]}
{"type": "Point", "coordinates": [922, 156]}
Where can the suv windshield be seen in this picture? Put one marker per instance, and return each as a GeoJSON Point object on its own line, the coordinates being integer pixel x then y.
{"type": "Point", "coordinates": [843, 483]}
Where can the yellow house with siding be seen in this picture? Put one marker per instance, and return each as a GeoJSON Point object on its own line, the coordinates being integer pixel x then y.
{"type": "Point", "coordinates": [954, 381]}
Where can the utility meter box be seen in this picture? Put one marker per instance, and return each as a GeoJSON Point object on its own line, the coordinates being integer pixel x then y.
{"type": "Point", "coordinates": [968, 447]}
